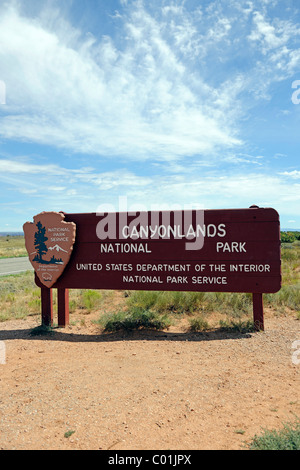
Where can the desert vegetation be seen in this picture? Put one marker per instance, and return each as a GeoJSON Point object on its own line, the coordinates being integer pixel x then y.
{"type": "Point", "coordinates": [286, 438]}
{"type": "Point", "coordinates": [196, 312]}
{"type": "Point", "coordinates": [19, 298]}
{"type": "Point", "coordinates": [12, 247]}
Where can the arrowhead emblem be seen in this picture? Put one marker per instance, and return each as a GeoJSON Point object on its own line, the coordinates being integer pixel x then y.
{"type": "Point", "coordinates": [49, 242]}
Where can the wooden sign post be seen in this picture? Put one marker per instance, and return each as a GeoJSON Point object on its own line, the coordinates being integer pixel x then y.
{"type": "Point", "coordinates": [232, 250]}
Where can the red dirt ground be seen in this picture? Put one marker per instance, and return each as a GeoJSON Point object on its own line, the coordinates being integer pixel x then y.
{"type": "Point", "coordinates": [145, 390]}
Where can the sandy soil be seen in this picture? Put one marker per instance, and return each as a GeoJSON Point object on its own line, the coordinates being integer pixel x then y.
{"type": "Point", "coordinates": [145, 390]}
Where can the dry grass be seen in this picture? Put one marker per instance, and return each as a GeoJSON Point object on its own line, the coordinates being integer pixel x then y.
{"type": "Point", "coordinates": [19, 298]}
{"type": "Point", "coordinates": [12, 247]}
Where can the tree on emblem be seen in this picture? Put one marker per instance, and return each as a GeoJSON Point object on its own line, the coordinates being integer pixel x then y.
{"type": "Point", "coordinates": [39, 242]}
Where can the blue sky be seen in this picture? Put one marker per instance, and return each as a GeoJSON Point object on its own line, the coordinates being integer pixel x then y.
{"type": "Point", "coordinates": [167, 103]}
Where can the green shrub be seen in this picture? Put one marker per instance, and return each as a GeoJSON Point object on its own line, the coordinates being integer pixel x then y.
{"type": "Point", "coordinates": [177, 302]}
{"type": "Point", "coordinates": [289, 254]}
{"type": "Point", "coordinates": [288, 296]}
{"type": "Point", "coordinates": [198, 324]}
{"type": "Point", "coordinates": [234, 304]}
{"type": "Point", "coordinates": [134, 320]}
{"type": "Point", "coordinates": [91, 299]}
{"type": "Point", "coordinates": [287, 438]}
{"type": "Point", "coordinates": [143, 299]}
{"type": "Point", "coordinates": [289, 237]}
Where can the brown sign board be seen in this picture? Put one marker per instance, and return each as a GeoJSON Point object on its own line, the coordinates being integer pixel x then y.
{"type": "Point", "coordinates": [49, 242]}
{"type": "Point", "coordinates": [231, 250]}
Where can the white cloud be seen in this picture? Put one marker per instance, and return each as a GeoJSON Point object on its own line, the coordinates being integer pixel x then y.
{"type": "Point", "coordinates": [265, 32]}
{"type": "Point", "coordinates": [28, 191]}
{"type": "Point", "coordinates": [170, 85]}
{"type": "Point", "coordinates": [295, 174]}
{"type": "Point", "coordinates": [278, 40]}
{"type": "Point", "coordinates": [155, 91]}
{"type": "Point", "coordinates": [85, 95]}
{"type": "Point", "coordinates": [45, 175]}
{"type": "Point", "coordinates": [211, 190]}
{"type": "Point", "coordinates": [274, 35]}
{"type": "Point", "coordinates": [19, 167]}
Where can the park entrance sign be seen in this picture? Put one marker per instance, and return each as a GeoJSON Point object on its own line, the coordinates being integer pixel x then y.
{"type": "Point", "coordinates": [49, 242]}
{"type": "Point", "coordinates": [231, 250]}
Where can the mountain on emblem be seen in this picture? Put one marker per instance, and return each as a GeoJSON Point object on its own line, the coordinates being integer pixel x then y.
{"type": "Point", "coordinates": [47, 234]}
{"type": "Point", "coordinates": [57, 248]}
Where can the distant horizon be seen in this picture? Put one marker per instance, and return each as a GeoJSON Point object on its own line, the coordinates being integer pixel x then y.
{"type": "Point", "coordinates": [4, 234]}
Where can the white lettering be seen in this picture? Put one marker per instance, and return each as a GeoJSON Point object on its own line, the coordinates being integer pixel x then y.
{"type": "Point", "coordinates": [106, 228]}
{"type": "Point", "coordinates": [118, 267]}
{"type": "Point", "coordinates": [296, 354]}
{"type": "Point", "coordinates": [211, 230]}
{"type": "Point", "coordinates": [153, 231]}
{"type": "Point", "coordinates": [222, 230]}
{"type": "Point", "coordinates": [2, 92]}
{"type": "Point", "coordinates": [252, 268]}
{"type": "Point", "coordinates": [124, 248]}
{"type": "Point", "coordinates": [208, 280]}
{"type": "Point", "coordinates": [120, 460]}
{"type": "Point", "coordinates": [296, 93]}
{"type": "Point", "coordinates": [125, 229]}
{"type": "Point", "coordinates": [177, 280]}
{"type": "Point", "coordinates": [200, 267]}
{"type": "Point", "coordinates": [88, 267]}
{"type": "Point", "coordinates": [2, 353]}
{"type": "Point", "coordinates": [231, 247]}
{"type": "Point", "coordinates": [143, 279]}
{"type": "Point", "coordinates": [217, 267]}
{"type": "Point", "coordinates": [163, 267]}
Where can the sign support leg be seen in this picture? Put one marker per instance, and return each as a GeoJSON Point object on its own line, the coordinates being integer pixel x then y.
{"type": "Point", "coordinates": [47, 306]}
{"type": "Point", "coordinates": [63, 307]}
{"type": "Point", "coordinates": [258, 312]}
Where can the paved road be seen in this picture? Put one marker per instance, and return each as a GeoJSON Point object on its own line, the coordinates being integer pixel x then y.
{"type": "Point", "coordinates": [14, 266]}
